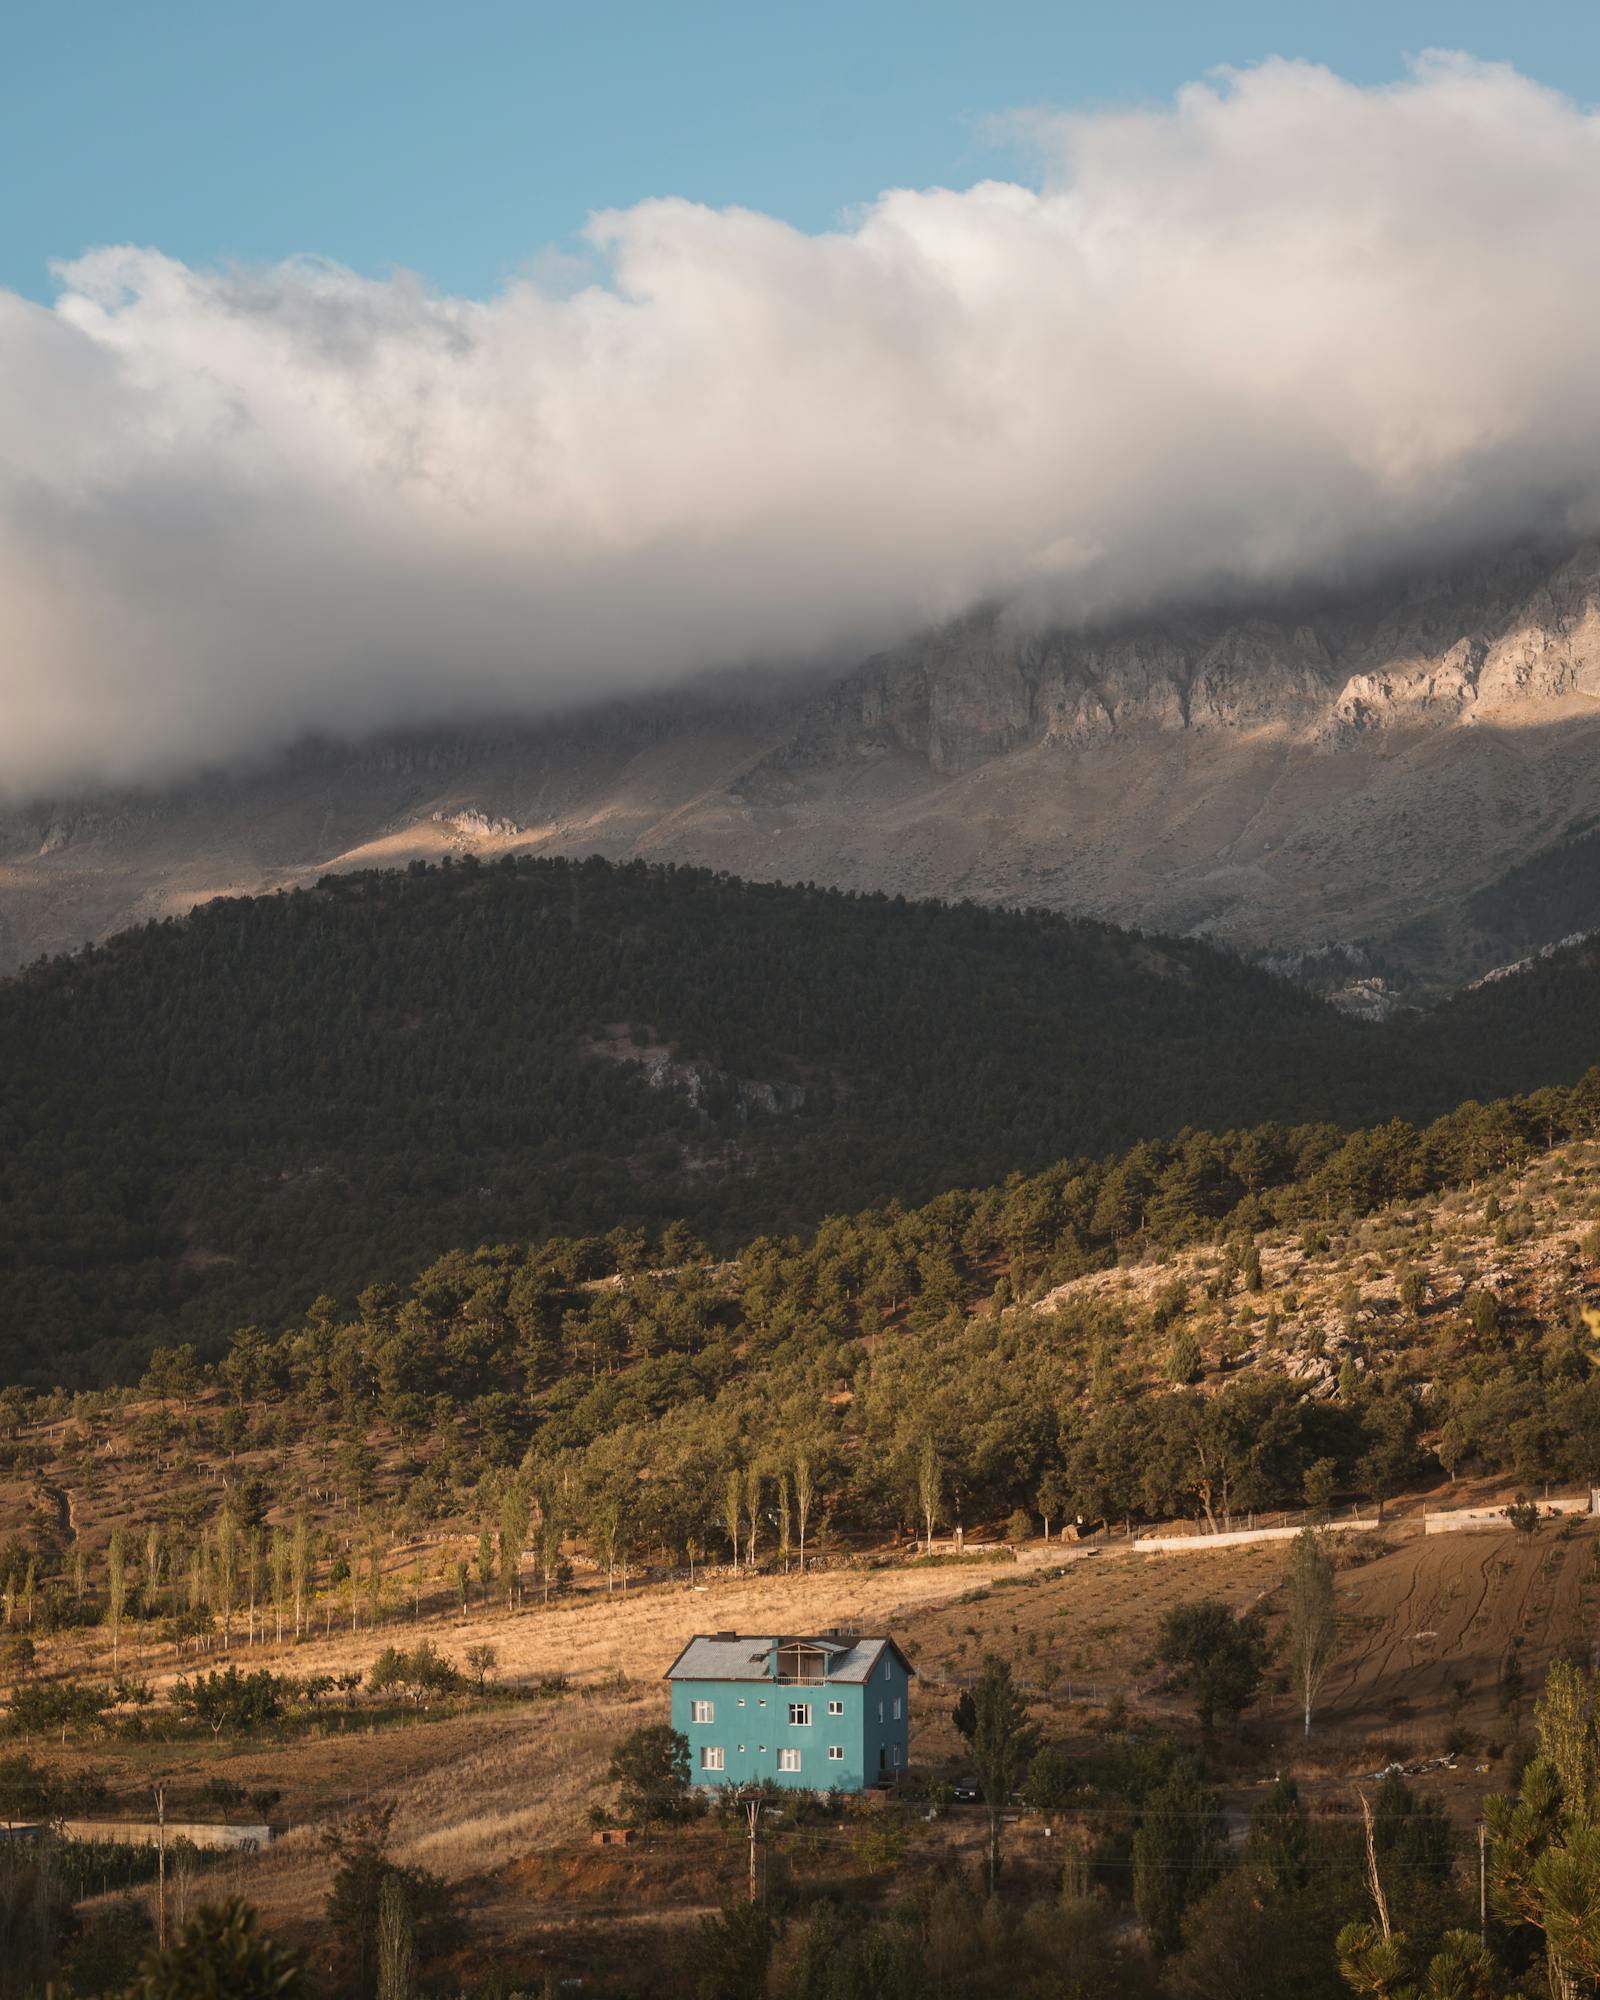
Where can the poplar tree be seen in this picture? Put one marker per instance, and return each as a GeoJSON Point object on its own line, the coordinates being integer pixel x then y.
{"type": "Point", "coordinates": [397, 1947]}
{"type": "Point", "coordinates": [549, 1545]}
{"type": "Point", "coordinates": [803, 1494]}
{"type": "Point", "coordinates": [280, 1560]}
{"type": "Point", "coordinates": [733, 1510]}
{"type": "Point", "coordinates": [1004, 1741]}
{"type": "Point", "coordinates": [227, 1569]}
{"type": "Point", "coordinates": [116, 1589]}
{"type": "Point", "coordinates": [753, 1488]}
{"type": "Point", "coordinates": [930, 1488]}
{"type": "Point", "coordinates": [300, 1570]}
{"type": "Point", "coordinates": [254, 1574]}
{"type": "Point", "coordinates": [152, 1565]}
{"type": "Point", "coordinates": [513, 1536]}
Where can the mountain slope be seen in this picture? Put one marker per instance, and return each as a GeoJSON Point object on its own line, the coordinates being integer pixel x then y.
{"type": "Point", "coordinates": [206, 1120]}
{"type": "Point", "coordinates": [1280, 776]}
{"type": "Point", "coordinates": [203, 1118]}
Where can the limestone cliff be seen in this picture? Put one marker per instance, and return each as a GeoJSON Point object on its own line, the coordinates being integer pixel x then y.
{"type": "Point", "coordinates": [1334, 781]}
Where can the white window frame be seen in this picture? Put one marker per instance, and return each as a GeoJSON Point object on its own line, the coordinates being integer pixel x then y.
{"type": "Point", "coordinates": [897, 1708]}
{"type": "Point", "coordinates": [702, 1711]}
{"type": "Point", "coordinates": [788, 1760]}
{"type": "Point", "coordinates": [799, 1715]}
{"type": "Point", "coordinates": [897, 1756]}
{"type": "Point", "coordinates": [835, 1753]}
{"type": "Point", "coordinates": [836, 1708]}
{"type": "Point", "coordinates": [711, 1758]}
{"type": "Point", "coordinates": [880, 1711]}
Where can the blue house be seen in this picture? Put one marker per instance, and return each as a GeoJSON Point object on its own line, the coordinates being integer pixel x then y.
{"type": "Point", "coordinates": [818, 1715]}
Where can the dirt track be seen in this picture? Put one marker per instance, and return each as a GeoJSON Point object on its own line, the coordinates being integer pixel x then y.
{"type": "Point", "coordinates": [1447, 1608]}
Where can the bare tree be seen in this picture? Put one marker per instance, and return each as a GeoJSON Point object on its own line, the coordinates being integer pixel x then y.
{"type": "Point", "coordinates": [1313, 1616]}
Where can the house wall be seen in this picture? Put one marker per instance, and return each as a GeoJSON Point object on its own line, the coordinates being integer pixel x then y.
{"type": "Point", "coordinates": [764, 1731]}
{"type": "Point", "coordinates": [885, 1735]}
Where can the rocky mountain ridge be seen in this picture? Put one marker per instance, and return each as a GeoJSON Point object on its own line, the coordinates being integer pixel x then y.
{"type": "Point", "coordinates": [1327, 783]}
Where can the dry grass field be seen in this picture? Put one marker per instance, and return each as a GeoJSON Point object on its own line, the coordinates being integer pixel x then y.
{"type": "Point", "coordinates": [498, 1799]}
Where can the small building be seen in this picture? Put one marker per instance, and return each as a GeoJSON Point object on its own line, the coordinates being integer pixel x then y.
{"type": "Point", "coordinates": [818, 1715]}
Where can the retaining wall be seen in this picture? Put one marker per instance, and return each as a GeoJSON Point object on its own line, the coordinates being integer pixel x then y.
{"type": "Point", "coordinates": [1232, 1538]}
{"type": "Point", "coordinates": [1459, 1518]}
{"type": "Point", "coordinates": [145, 1833]}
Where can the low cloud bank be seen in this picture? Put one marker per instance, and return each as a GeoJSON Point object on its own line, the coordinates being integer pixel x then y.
{"type": "Point", "coordinates": [1284, 329]}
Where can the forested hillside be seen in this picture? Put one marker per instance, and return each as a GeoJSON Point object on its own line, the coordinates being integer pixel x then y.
{"type": "Point", "coordinates": [1220, 1321]}
{"type": "Point", "coordinates": [206, 1122]}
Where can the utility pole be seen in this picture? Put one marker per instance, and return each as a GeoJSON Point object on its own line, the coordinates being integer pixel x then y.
{"type": "Point", "coordinates": [752, 1812]}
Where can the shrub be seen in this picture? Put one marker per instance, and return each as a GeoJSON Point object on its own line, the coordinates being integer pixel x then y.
{"type": "Point", "coordinates": [1523, 1515]}
{"type": "Point", "coordinates": [419, 1672]}
{"type": "Point", "coordinates": [231, 1700]}
{"type": "Point", "coordinates": [1184, 1360]}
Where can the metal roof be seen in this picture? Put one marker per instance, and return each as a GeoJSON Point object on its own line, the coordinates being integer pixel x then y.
{"type": "Point", "coordinates": [730, 1656]}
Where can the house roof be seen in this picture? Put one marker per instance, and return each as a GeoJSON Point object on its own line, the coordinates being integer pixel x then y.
{"type": "Point", "coordinates": [741, 1656]}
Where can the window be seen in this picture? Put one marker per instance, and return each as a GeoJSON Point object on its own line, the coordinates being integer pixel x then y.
{"type": "Point", "coordinates": [880, 1711]}
{"type": "Point", "coordinates": [800, 1714]}
{"type": "Point", "coordinates": [886, 1669]}
{"type": "Point", "coordinates": [835, 1753]}
{"type": "Point", "coordinates": [788, 1760]}
{"type": "Point", "coordinates": [741, 1749]}
{"type": "Point", "coordinates": [836, 1708]}
{"type": "Point", "coordinates": [741, 1701]}
{"type": "Point", "coordinates": [761, 1702]}
{"type": "Point", "coordinates": [897, 1753]}
{"type": "Point", "coordinates": [702, 1711]}
{"type": "Point", "coordinates": [711, 1756]}
{"type": "Point", "coordinates": [897, 1708]}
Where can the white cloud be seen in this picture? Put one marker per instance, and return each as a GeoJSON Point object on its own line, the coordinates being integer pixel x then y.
{"type": "Point", "coordinates": [1285, 328]}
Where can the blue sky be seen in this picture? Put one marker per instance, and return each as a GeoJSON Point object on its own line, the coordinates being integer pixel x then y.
{"type": "Point", "coordinates": [460, 140]}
